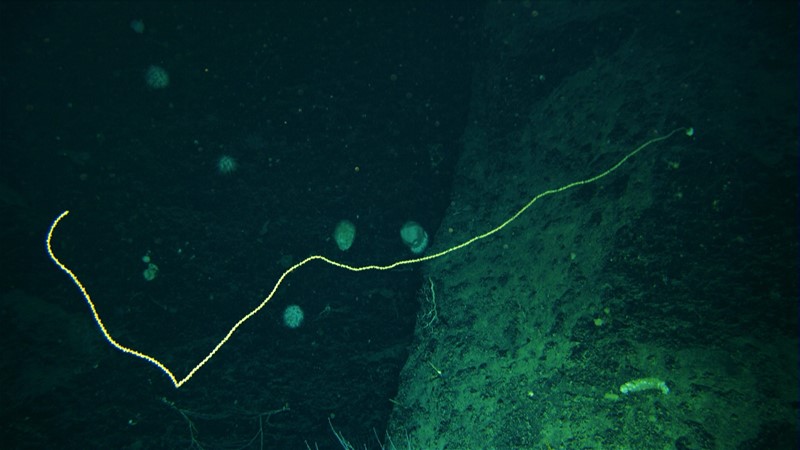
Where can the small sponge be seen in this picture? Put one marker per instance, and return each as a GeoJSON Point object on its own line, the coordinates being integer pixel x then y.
{"type": "Point", "coordinates": [414, 236]}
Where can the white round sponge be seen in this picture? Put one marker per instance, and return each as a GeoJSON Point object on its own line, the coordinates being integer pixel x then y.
{"type": "Point", "coordinates": [293, 316]}
{"type": "Point", "coordinates": [344, 234]}
{"type": "Point", "coordinates": [414, 236]}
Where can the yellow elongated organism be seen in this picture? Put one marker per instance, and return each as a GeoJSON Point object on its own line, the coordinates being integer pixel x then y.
{"type": "Point", "coordinates": [180, 382]}
{"type": "Point", "coordinates": [644, 384]}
